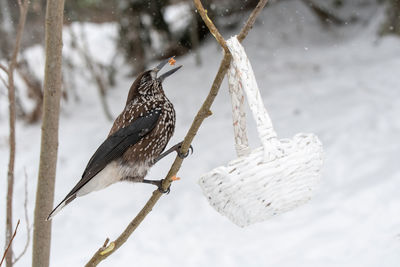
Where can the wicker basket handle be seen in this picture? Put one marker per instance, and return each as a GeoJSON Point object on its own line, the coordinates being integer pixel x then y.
{"type": "Point", "coordinates": [238, 113]}
{"type": "Point", "coordinates": [241, 77]}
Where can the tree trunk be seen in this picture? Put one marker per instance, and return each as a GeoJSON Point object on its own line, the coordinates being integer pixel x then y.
{"type": "Point", "coordinates": [392, 23]}
{"type": "Point", "coordinates": [49, 141]}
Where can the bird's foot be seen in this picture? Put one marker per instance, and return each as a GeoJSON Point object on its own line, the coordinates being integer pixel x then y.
{"type": "Point", "coordinates": [176, 148]}
{"type": "Point", "coordinates": [159, 184]}
{"type": "Point", "coordinates": [160, 188]}
{"type": "Point", "coordinates": [183, 155]}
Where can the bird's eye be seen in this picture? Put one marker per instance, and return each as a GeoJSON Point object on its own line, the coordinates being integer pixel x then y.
{"type": "Point", "coordinates": [146, 77]}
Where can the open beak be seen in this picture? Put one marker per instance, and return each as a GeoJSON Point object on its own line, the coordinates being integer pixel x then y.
{"type": "Point", "coordinates": [168, 73]}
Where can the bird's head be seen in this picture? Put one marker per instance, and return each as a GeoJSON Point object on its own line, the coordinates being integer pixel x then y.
{"type": "Point", "coordinates": [148, 82]}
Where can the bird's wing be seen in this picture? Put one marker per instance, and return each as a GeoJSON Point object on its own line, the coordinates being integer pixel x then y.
{"type": "Point", "coordinates": [114, 147]}
{"type": "Point", "coordinates": [116, 144]}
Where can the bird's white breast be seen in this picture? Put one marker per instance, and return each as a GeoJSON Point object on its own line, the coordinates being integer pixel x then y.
{"type": "Point", "coordinates": [109, 175]}
{"type": "Point", "coordinates": [112, 173]}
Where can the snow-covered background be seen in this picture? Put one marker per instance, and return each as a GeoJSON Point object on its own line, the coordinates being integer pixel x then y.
{"type": "Point", "coordinates": [341, 83]}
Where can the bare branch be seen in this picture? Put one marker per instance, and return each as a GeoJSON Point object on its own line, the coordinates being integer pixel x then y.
{"type": "Point", "coordinates": [28, 226]}
{"type": "Point", "coordinates": [194, 37]}
{"type": "Point", "coordinates": [4, 82]}
{"type": "Point", "coordinates": [326, 17]}
{"type": "Point", "coordinates": [84, 52]}
{"type": "Point", "coordinates": [4, 68]}
{"type": "Point", "coordinates": [210, 25]}
{"type": "Point", "coordinates": [20, 28]}
{"type": "Point", "coordinates": [95, 74]}
{"type": "Point", "coordinates": [11, 102]}
{"type": "Point", "coordinates": [252, 18]}
{"type": "Point", "coordinates": [9, 244]}
{"type": "Point", "coordinates": [202, 114]}
{"type": "Point", "coordinates": [34, 86]}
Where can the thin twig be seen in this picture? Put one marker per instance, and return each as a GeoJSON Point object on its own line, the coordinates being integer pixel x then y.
{"type": "Point", "coordinates": [202, 114]}
{"type": "Point", "coordinates": [28, 226]}
{"type": "Point", "coordinates": [96, 73]}
{"type": "Point", "coordinates": [106, 242]}
{"type": "Point", "coordinates": [9, 244]}
{"type": "Point", "coordinates": [4, 68]}
{"type": "Point", "coordinates": [34, 87]}
{"type": "Point", "coordinates": [4, 82]}
{"type": "Point", "coordinates": [23, 8]}
{"type": "Point", "coordinates": [84, 52]}
{"type": "Point", "coordinates": [252, 18]}
{"type": "Point", "coordinates": [194, 36]}
{"type": "Point", "coordinates": [326, 17]}
{"type": "Point", "coordinates": [214, 31]}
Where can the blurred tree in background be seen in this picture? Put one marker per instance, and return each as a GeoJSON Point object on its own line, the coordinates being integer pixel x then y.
{"type": "Point", "coordinates": [392, 23]}
{"type": "Point", "coordinates": [152, 30]}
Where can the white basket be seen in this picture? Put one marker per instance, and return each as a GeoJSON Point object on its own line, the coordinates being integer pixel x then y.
{"type": "Point", "coordinates": [274, 178]}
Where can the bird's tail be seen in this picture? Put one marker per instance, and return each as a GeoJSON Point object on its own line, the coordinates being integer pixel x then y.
{"type": "Point", "coordinates": [62, 204]}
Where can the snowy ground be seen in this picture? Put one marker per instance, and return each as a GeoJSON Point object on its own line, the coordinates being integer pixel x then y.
{"type": "Point", "coordinates": [340, 84]}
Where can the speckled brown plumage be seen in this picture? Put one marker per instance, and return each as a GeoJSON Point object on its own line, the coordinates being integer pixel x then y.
{"type": "Point", "coordinates": [137, 138]}
{"type": "Point", "coordinates": [144, 96]}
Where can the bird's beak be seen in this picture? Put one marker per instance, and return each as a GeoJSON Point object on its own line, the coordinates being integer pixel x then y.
{"type": "Point", "coordinates": [168, 73]}
{"type": "Point", "coordinates": [161, 65]}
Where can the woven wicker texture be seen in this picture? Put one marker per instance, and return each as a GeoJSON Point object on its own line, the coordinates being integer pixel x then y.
{"type": "Point", "coordinates": [270, 180]}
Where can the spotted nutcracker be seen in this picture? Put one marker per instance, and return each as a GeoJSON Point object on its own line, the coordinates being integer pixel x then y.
{"type": "Point", "coordinates": [136, 140]}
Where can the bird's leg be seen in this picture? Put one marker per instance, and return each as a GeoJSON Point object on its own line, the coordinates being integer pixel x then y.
{"type": "Point", "coordinates": [158, 183]}
{"type": "Point", "coordinates": [176, 148]}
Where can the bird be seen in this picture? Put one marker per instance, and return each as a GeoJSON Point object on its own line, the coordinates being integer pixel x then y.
{"type": "Point", "coordinates": [136, 140]}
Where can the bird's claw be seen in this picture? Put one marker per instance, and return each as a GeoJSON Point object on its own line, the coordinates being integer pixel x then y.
{"type": "Point", "coordinates": [161, 189]}
{"type": "Point", "coordinates": [184, 155]}
{"type": "Point", "coordinates": [160, 186]}
{"type": "Point", "coordinates": [176, 148]}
